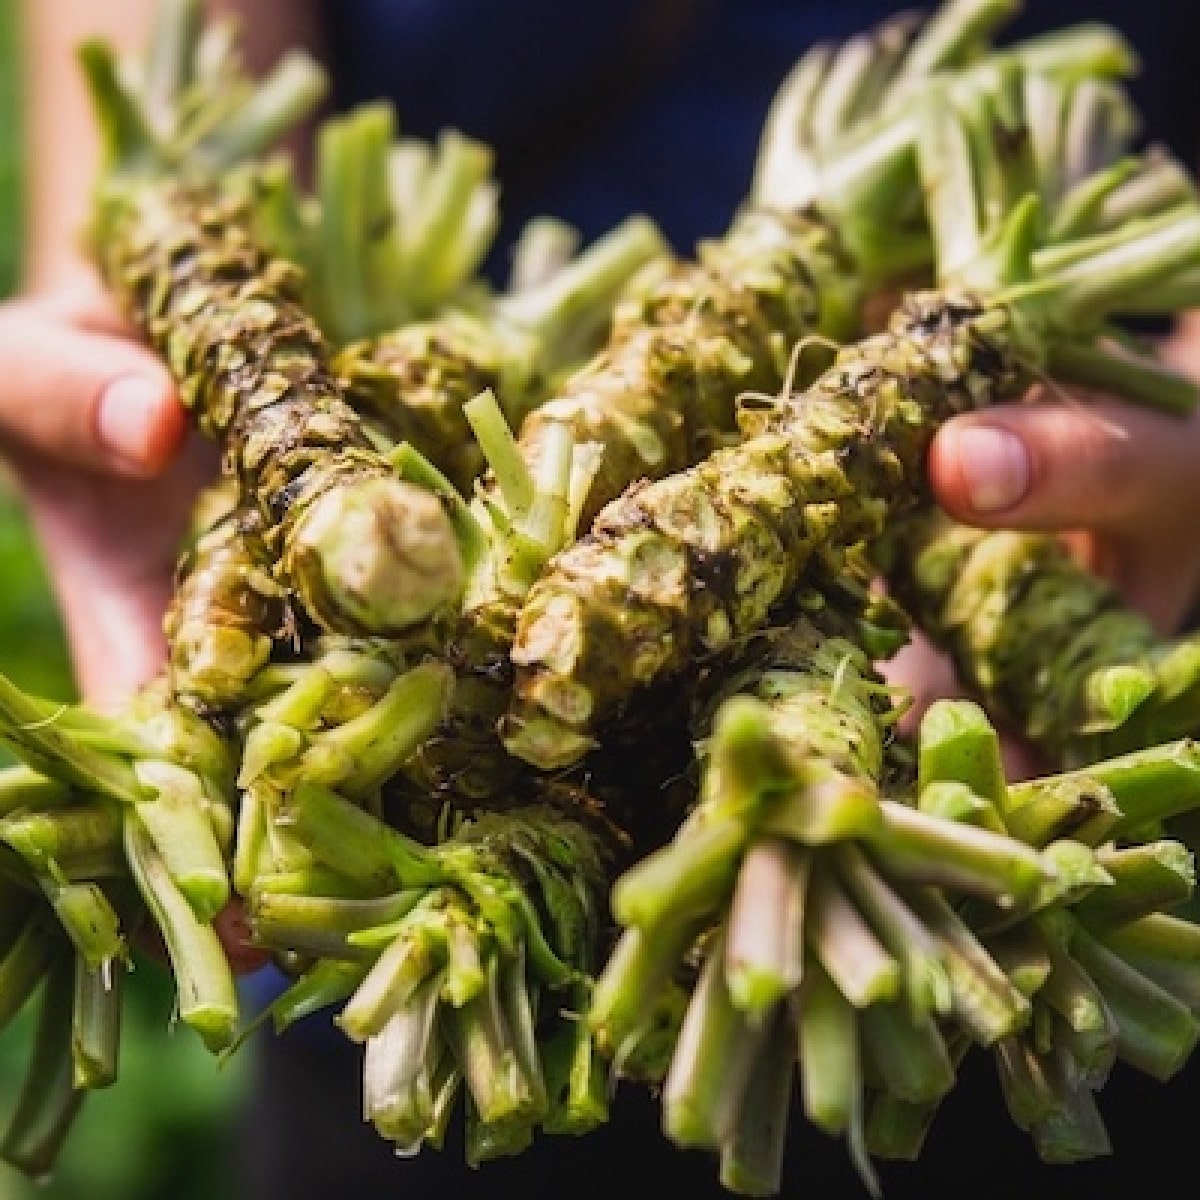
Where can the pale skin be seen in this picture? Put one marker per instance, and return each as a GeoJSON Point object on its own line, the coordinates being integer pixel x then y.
{"type": "Point", "coordinates": [99, 446]}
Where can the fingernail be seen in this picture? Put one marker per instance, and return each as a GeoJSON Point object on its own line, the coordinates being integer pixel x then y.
{"type": "Point", "coordinates": [994, 466]}
{"type": "Point", "coordinates": [127, 416]}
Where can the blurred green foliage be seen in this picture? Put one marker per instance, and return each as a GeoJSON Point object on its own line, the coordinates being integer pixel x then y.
{"type": "Point", "coordinates": [163, 1130]}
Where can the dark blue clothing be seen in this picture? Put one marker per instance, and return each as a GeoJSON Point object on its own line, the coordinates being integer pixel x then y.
{"type": "Point", "coordinates": [597, 109]}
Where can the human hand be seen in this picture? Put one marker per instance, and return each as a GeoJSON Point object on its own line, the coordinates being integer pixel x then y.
{"type": "Point", "coordinates": [1121, 485]}
{"type": "Point", "coordinates": [99, 446]}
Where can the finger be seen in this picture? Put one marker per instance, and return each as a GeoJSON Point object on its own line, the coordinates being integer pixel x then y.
{"type": "Point", "coordinates": [1099, 466]}
{"type": "Point", "coordinates": [89, 398]}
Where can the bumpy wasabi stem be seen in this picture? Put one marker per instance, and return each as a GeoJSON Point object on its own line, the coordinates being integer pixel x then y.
{"type": "Point", "coordinates": [173, 241]}
{"type": "Point", "coordinates": [687, 565]}
{"type": "Point", "coordinates": [1049, 647]}
{"type": "Point", "coordinates": [225, 612]}
{"type": "Point", "coordinates": [683, 567]}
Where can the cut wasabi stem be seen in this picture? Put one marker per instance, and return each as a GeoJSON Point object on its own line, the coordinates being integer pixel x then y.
{"type": "Point", "coordinates": [96, 1024]}
{"type": "Point", "coordinates": [951, 801]}
{"type": "Point", "coordinates": [958, 743]}
{"type": "Point", "coordinates": [983, 998]}
{"type": "Point", "coordinates": [508, 1102]}
{"type": "Point", "coordinates": [400, 1064]}
{"type": "Point", "coordinates": [577, 1078]}
{"type": "Point", "coordinates": [905, 1052]}
{"type": "Point", "coordinates": [416, 952]}
{"type": "Point", "coordinates": [357, 844]}
{"type": "Point", "coordinates": [1090, 1032]}
{"type": "Point", "coordinates": [542, 248]}
{"type": "Point", "coordinates": [751, 1161]}
{"type": "Point", "coordinates": [1156, 1033]}
{"type": "Point", "coordinates": [205, 990]}
{"type": "Point", "coordinates": [1149, 785]}
{"type": "Point", "coordinates": [49, 1100]}
{"type": "Point", "coordinates": [896, 1129]}
{"type": "Point", "coordinates": [1162, 947]}
{"type": "Point", "coordinates": [694, 875]}
{"type": "Point", "coordinates": [327, 982]}
{"type": "Point", "coordinates": [626, 1001]}
{"type": "Point", "coordinates": [324, 925]}
{"type": "Point", "coordinates": [828, 1053]}
{"type": "Point", "coordinates": [1144, 879]}
{"type": "Point", "coordinates": [1063, 806]}
{"type": "Point", "coordinates": [926, 983]}
{"type": "Point", "coordinates": [360, 754]}
{"type": "Point", "coordinates": [85, 832]}
{"type": "Point", "coordinates": [765, 943]}
{"type": "Point", "coordinates": [914, 846]}
{"type": "Point", "coordinates": [22, 787]}
{"type": "Point", "coordinates": [846, 946]}
{"type": "Point", "coordinates": [89, 921]}
{"type": "Point", "coordinates": [713, 1060]}
{"type": "Point", "coordinates": [183, 835]}
{"type": "Point", "coordinates": [1024, 957]}
{"type": "Point", "coordinates": [825, 805]}
{"type": "Point", "coordinates": [1075, 872]}
{"type": "Point", "coordinates": [36, 738]}
{"type": "Point", "coordinates": [1073, 1130]}
{"type": "Point", "coordinates": [25, 964]}
{"type": "Point", "coordinates": [690, 878]}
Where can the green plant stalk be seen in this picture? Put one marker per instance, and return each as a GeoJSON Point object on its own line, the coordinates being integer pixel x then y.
{"type": "Point", "coordinates": [959, 744]}
{"type": "Point", "coordinates": [49, 1101]}
{"type": "Point", "coordinates": [1155, 1032]}
{"type": "Point", "coordinates": [1064, 806]}
{"type": "Point", "coordinates": [25, 964]}
{"type": "Point", "coordinates": [1149, 785]}
{"type": "Point", "coordinates": [1163, 947]}
{"type": "Point", "coordinates": [907, 1054]}
{"type": "Point", "coordinates": [88, 919]}
{"type": "Point", "coordinates": [184, 836]}
{"type": "Point", "coordinates": [712, 1063]}
{"type": "Point", "coordinates": [324, 925]}
{"type": "Point", "coordinates": [22, 787]}
{"type": "Point", "coordinates": [847, 947]}
{"type": "Point", "coordinates": [577, 1081]}
{"type": "Point", "coordinates": [627, 999]}
{"type": "Point", "coordinates": [827, 1042]}
{"type": "Point", "coordinates": [207, 997]}
{"type": "Point", "coordinates": [96, 1024]}
{"type": "Point", "coordinates": [1146, 878]}
{"type": "Point", "coordinates": [398, 1082]}
{"type": "Point", "coordinates": [896, 1129]}
{"type": "Point", "coordinates": [752, 1155]}
{"type": "Point", "coordinates": [927, 985]}
{"type": "Point", "coordinates": [64, 836]}
{"type": "Point", "coordinates": [765, 944]}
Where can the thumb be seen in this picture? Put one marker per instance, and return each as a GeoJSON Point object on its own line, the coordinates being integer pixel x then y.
{"type": "Point", "coordinates": [84, 396]}
{"type": "Point", "coordinates": [1102, 466]}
